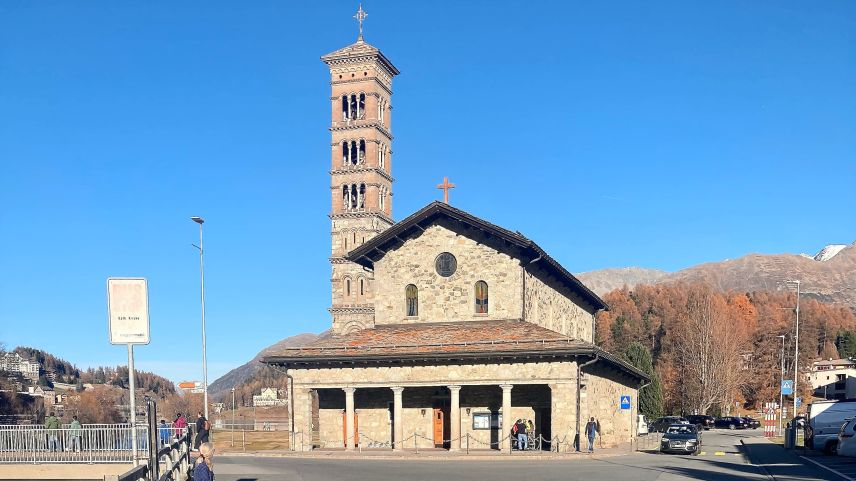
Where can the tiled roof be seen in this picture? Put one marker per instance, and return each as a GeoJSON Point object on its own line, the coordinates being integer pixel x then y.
{"type": "Point", "coordinates": [359, 50]}
{"type": "Point", "coordinates": [467, 339]}
{"type": "Point", "coordinates": [514, 244]}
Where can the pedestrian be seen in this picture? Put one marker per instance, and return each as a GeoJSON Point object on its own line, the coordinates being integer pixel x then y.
{"type": "Point", "coordinates": [204, 469]}
{"type": "Point", "coordinates": [530, 429]}
{"type": "Point", "coordinates": [163, 432]}
{"type": "Point", "coordinates": [522, 440]}
{"type": "Point", "coordinates": [52, 427]}
{"type": "Point", "coordinates": [591, 432]}
{"type": "Point", "coordinates": [179, 424]}
{"type": "Point", "coordinates": [514, 428]}
{"type": "Point", "coordinates": [75, 432]}
{"type": "Point", "coordinates": [202, 429]}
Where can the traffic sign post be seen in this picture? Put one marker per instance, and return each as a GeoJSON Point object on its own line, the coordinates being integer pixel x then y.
{"type": "Point", "coordinates": [128, 323]}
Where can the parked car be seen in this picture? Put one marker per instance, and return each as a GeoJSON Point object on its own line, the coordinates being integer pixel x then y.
{"type": "Point", "coordinates": [752, 423]}
{"type": "Point", "coordinates": [661, 424]}
{"type": "Point", "coordinates": [641, 425]}
{"type": "Point", "coordinates": [730, 422]}
{"type": "Point", "coordinates": [846, 440]}
{"type": "Point", "coordinates": [703, 422]}
{"type": "Point", "coordinates": [825, 419]}
{"type": "Point", "coordinates": [681, 438]}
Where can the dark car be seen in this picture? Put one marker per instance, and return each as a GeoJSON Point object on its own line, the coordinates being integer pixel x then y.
{"type": "Point", "coordinates": [703, 422]}
{"type": "Point", "coordinates": [752, 423]}
{"type": "Point", "coordinates": [659, 425]}
{"type": "Point", "coordinates": [730, 422]}
{"type": "Point", "coordinates": [681, 438]}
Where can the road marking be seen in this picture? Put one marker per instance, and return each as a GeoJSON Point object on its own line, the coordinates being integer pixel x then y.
{"type": "Point", "coordinates": [719, 453]}
{"type": "Point", "coordinates": [828, 468]}
{"type": "Point", "coordinates": [703, 453]}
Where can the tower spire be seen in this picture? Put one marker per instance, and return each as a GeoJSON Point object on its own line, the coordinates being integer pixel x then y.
{"type": "Point", "coordinates": [360, 16]}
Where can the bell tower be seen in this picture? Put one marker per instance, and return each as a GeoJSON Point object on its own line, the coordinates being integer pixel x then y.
{"type": "Point", "coordinates": [360, 173]}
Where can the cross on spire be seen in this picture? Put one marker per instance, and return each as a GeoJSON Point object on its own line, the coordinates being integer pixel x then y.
{"type": "Point", "coordinates": [360, 16]}
{"type": "Point", "coordinates": [445, 186]}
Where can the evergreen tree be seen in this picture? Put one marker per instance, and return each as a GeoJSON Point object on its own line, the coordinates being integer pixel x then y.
{"type": "Point", "coordinates": [846, 343]}
{"type": "Point", "coordinates": [651, 397]}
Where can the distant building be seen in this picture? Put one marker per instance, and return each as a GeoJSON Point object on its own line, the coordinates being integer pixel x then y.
{"type": "Point", "coordinates": [13, 362]}
{"type": "Point", "coordinates": [268, 397]}
{"type": "Point", "coordinates": [834, 378]}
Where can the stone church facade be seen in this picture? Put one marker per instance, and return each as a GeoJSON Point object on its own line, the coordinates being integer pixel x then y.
{"type": "Point", "coordinates": [446, 328]}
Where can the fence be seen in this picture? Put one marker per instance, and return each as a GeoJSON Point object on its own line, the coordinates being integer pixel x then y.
{"type": "Point", "coordinates": [92, 443]}
{"type": "Point", "coordinates": [173, 463]}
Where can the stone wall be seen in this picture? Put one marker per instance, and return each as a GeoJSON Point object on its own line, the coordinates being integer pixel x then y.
{"type": "Point", "coordinates": [602, 401]}
{"type": "Point", "coordinates": [547, 307]}
{"type": "Point", "coordinates": [446, 299]}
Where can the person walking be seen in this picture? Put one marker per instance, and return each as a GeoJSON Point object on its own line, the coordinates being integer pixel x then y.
{"type": "Point", "coordinates": [203, 427]}
{"type": "Point", "coordinates": [179, 424]}
{"type": "Point", "coordinates": [75, 430]}
{"type": "Point", "coordinates": [163, 433]}
{"type": "Point", "coordinates": [591, 433]}
{"type": "Point", "coordinates": [522, 440]}
{"type": "Point", "coordinates": [204, 469]}
{"type": "Point", "coordinates": [52, 427]}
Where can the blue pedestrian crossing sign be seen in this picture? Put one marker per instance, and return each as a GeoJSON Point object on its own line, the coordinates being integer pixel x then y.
{"type": "Point", "coordinates": [787, 386]}
{"type": "Point", "coordinates": [625, 401]}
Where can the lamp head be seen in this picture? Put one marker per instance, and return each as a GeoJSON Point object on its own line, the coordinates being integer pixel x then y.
{"type": "Point", "coordinates": [198, 220]}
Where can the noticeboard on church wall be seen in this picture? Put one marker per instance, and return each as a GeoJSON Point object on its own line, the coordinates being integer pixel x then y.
{"type": "Point", "coordinates": [486, 420]}
{"type": "Point", "coordinates": [128, 310]}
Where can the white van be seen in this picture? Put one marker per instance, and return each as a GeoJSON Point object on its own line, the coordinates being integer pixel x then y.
{"type": "Point", "coordinates": [825, 419]}
{"type": "Point", "coordinates": [641, 425]}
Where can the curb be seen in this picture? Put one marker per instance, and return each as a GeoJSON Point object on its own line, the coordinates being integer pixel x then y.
{"type": "Point", "coordinates": [428, 457]}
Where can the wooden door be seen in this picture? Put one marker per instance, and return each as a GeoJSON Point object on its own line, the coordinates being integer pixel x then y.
{"type": "Point", "coordinates": [439, 423]}
{"type": "Point", "coordinates": [345, 429]}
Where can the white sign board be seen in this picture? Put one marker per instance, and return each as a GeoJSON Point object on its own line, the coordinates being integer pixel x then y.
{"type": "Point", "coordinates": [128, 310]}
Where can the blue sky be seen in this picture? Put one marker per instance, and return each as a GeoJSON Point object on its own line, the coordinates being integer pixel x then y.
{"type": "Point", "coordinates": [657, 134]}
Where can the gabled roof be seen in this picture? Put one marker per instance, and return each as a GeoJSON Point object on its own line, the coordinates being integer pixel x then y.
{"type": "Point", "coordinates": [511, 243]}
{"type": "Point", "coordinates": [463, 340]}
{"type": "Point", "coordinates": [358, 51]}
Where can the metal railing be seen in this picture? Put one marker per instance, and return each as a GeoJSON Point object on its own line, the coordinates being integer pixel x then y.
{"type": "Point", "coordinates": [97, 443]}
{"type": "Point", "coordinates": [173, 463]}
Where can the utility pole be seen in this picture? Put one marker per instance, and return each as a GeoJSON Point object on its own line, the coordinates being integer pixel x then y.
{"type": "Point", "coordinates": [200, 221]}
{"type": "Point", "coordinates": [781, 381]}
{"type": "Point", "coordinates": [796, 347]}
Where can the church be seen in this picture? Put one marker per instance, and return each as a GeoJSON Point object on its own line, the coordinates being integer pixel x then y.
{"type": "Point", "coordinates": [446, 328]}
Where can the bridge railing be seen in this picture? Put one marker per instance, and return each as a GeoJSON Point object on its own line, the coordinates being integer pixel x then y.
{"type": "Point", "coordinates": [99, 443]}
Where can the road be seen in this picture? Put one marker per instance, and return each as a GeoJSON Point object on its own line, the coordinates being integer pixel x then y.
{"type": "Point", "coordinates": [722, 461]}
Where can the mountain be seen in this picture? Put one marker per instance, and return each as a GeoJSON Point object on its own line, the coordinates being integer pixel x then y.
{"type": "Point", "coordinates": [829, 276]}
{"type": "Point", "coordinates": [241, 374]}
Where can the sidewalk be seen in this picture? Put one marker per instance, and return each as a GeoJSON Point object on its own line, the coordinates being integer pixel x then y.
{"type": "Point", "coordinates": [782, 464]}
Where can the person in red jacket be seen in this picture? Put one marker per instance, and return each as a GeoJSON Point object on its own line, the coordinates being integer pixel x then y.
{"type": "Point", "coordinates": [179, 424]}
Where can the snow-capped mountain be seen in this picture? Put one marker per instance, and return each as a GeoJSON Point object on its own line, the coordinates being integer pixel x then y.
{"type": "Point", "coordinates": [829, 252]}
{"type": "Point", "coordinates": [829, 276]}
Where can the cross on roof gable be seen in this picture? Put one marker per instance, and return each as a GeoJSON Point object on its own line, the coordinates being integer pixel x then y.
{"type": "Point", "coordinates": [511, 243]}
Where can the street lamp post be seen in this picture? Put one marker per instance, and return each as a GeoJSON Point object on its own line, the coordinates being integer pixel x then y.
{"type": "Point", "coordinates": [782, 380]}
{"type": "Point", "coordinates": [200, 221]}
{"type": "Point", "coordinates": [796, 344]}
{"type": "Point", "coordinates": [233, 417]}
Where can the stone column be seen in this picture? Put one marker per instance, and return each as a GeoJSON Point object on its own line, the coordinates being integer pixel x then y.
{"type": "Point", "coordinates": [302, 429]}
{"type": "Point", "coordinates": [506, 417]}
{"type": "Point", "coordinates": [397, 426]}
{"type": "Point", "coordinates": [349, 418]}
{"type": "Point", "coordinates": [455, 418]}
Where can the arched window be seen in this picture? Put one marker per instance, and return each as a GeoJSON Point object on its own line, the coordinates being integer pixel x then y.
{"type": "Point", "coordinates": [352, 114]}
{"type": "Point", "coordinates": [361, 155]}
{"type": "Point", "coordinates": [481, 297]}
{"type": "Point", "coordinates": [344, 107]}
{"type": "Point", "coordinates": [361, 107]}
{"type": "Point", "coordinates": [362, 287]}
{"type": "Point", "coordinates": [354, 199]}
{"type": "Point", "coordinates": [362, 196]}
{"type": "Point", "coordinates": [345, 153]}
{"type": "Point", "coordinates": [382, 198]}
{"type": "Point", "coordinates": [345, 237]}
{"type": "Point", "coordinates": [347, 287]}
{"type": "Point", "coordinates": [412, 296]}
{"type": "Point", "coordinates": [354, 155]}
{"type": "Point", "coordinates": [346, 197]}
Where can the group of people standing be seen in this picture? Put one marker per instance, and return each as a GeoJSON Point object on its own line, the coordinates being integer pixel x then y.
{"type": "Point", "coordinates": [523, 431]}
{"type": "Point", "coordinates": [74, 431]}
{"type": "Point", "coordinates": [166, 432]}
